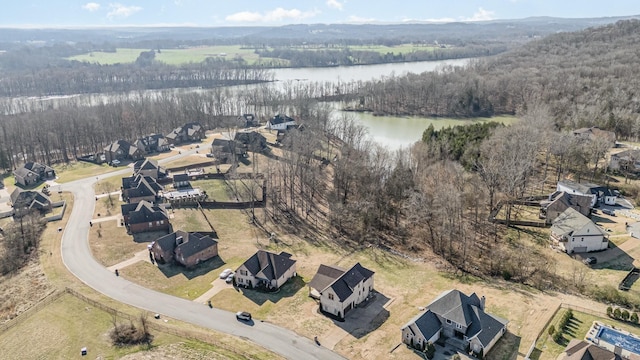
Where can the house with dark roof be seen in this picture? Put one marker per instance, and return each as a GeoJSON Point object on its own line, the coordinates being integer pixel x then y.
{"type": "Point", "coordinates": [247, 121]}
{"type": "Point", "coordinates": [560, 201]}
{"type": "Point", "coordinates": [122, 150]}
{"type": "Point", "coordinates": [583, 350]}
{"type": "Point", "coordinates": [137, 188]}
{"type": "Point", "coordinates": [190, 132]}
{"type": "Point", "coordinates": [149, 167]}
{"type": "Point", "coordinates": [27, 201]}
{"type": "Point", "coordinates": [453, 314]}
{"type": "Point", "coordinates": [280, 122]}
{"type": "Point", "coordinates": [592, 133]}
{"type": "Point", "coordinates": [225, 151]}
{"type": "Point", "coordinates": [181, 181]}
{"type": "Point", "coordinates": [598, 193]}
{"type": "Point", "coordinates": [145, 217]}
{"type": "Point", "coordinates": [266, 270]}
{"type": "Point", "coordinates": [32, 173]}
{"type": "Point", "coordinates": [250, 141]}
{"type": "Point", "coordinates": [185, 248]}
{"type": "Point", "coordinates": [153, 143]}
{"type": "Point", "coordinates": [341, 290]}
{"type": "Point", "coordinates": [573, 232]}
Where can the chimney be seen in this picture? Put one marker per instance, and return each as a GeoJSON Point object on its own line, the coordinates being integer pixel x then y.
{"type": "Point", "coordinates": [482, 300]}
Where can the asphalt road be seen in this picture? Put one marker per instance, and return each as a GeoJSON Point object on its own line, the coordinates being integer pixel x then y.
{"type": "Point", "coordinates": [77, 257]}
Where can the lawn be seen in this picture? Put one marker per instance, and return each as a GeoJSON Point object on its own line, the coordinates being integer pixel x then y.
{"type": "Point", "coordinates": [110, 243]}
{"type": "Point", "coordinates": [79, 170]}
{"type": "Point", "coordinates": [110, 184]}
{"type": "Point", "coordinates": [576, 329]}
{"type": "Point", "coordinates": [107, 206]}
{"type": "Point", "coordinates": [68, 324]}
{"type": "Point", "coordinates": [215, 189]}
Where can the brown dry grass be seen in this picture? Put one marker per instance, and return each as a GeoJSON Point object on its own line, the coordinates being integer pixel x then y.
{"type": "Point", "coordinates": [110, 243]}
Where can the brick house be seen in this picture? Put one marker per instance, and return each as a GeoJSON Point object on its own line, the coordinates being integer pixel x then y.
{"type": "Point", "coordinates": [185, 248]}
{"type": "Point", "coordinates": [145, 217]}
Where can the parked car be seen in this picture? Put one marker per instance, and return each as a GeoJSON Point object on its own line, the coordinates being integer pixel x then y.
{"type": "Point", "coordinates": [243, 315]}
{"type": "Point", "coordinates": [590, 261]}
{"type": "Point", "coordinates": [229, 278]}
{"type": "Point", "coordinates": [115, 162]}
{"type": "Point", "coordinates": [609, 212]}
{"type": "Point", "coordinates": [210, 155]}
{"type": "Point", "coordinates": [225, 273]}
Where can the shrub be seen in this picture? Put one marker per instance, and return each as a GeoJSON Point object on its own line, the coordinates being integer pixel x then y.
{"type": "Point", "coordinates": [506, 275]}
{"type": "Point", "coordinates": [557, 337]}
{"type": "Point", "coordinates": [634, 318]}
{"type": "Point", "coordinates": [617, 313]}
{"type": "Point", "coordinates": [552, 330]}
{"type": "Point", "coordinates": [624, 315]}
{"type": "Point", "coordinates": [429, 350]}
{"type": "Point", "coordinates": [609, 311]}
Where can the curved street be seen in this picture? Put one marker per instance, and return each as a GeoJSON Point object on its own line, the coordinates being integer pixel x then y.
{"type": "Point", "coordinates": [77, 257]}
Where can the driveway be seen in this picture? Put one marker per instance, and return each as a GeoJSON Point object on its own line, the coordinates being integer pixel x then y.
{"type": "Point", "coordinates": [77, 257]}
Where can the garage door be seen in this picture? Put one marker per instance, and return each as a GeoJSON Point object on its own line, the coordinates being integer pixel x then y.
{"type": "Point", "coordinates": [580, 249]}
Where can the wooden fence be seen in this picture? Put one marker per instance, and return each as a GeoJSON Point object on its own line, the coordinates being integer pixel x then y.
{"type": "Point", "coordinates": [32, 310]}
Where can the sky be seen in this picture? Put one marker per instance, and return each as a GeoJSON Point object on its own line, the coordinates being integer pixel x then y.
{"type": "Point", "coordinates": [82, 13]}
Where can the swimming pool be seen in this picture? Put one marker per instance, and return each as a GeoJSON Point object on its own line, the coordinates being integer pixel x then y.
{"type": "Point", "coordinates": [616, 338]}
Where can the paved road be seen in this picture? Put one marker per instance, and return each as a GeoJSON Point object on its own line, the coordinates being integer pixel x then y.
{"type": "Point", "coordinates": [77, 257]}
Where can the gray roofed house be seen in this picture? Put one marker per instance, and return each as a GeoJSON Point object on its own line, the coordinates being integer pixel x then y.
{"type": "Point", "coordinates": [146, 217]}
{"type": "Point", "coordinates": [185, 248]}
{"type": "Point", "coordinates": [598, 193]}
{"type": "Point", "coordinates": [573, 232]}
{"type": "Point", "coordinates": [250, 141]}
{"type": "Point", "coordinates": [26, 201]}
{"type": "Point", "coordinates": [32, 173]}
{"type": "Point", "coordinates": [341, 290]}
{"type": "Point", "coordinates": [266, 270]}
{"type": "Point", "coordinates": [280, 122]}
{"type": "Point", "coordinates": [152, 143]}
{"type": "Point", "coordinates": [181, 181]}
{"type": "Point", "coordinates": [189, 132]}
{"type": "Point", "coordinates": [583, 350]}
{"type": "Point", "coordinates": [122, 150]}
{"type": "Point", "coordinates": [560, 201]}
{"type": "Point", "coordinates": [454, 314]}
{"type": "Point", "coordinates": [149, 167]}
{"type": "Point", "coordinates": [138, 187]}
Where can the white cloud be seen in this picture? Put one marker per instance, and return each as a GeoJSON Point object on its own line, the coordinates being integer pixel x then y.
{"type": "Point", "coordinates": [91, 6]}
{"type": "Point", "coordinates": [335, 4]}
{"type": "Point", "coordinates": [276, 15]}
{"type": "Point", "coordinates": [117, 10]}
{"type": "Point", "coordinates": [358, 19]}
{"type": "Point", "coordinates": [482, 15]}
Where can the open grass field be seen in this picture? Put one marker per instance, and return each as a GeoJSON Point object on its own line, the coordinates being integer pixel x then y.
{"type": "Point", "coordinates": [110, 243]}
{"type": "Point", "coordinates": [63, 327]}
{"type": "Point", "coordinates": [200, 53]}
{"type": "Point", "coordinates": [79, 170]}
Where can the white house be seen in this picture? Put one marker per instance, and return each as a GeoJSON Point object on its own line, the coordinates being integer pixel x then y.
{"type": "Point", "coordinates": [454, 314]}
{"type": "Point", "coordinates": [596, 192]}
{"type": "Point", "coordinates": [574, 232]}
{"type": "Point", "coordinates": [266, 270]}
{"type": "Point", "coordinates": [341, 290]}
{"type": "Point", "coordinates": [280, 122]}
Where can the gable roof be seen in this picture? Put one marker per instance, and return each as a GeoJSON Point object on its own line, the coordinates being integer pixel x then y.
{"type": "Point", "coordinates": [279, 119]}
{"type": "Point", "coordinates": [343, 286]}
{"type": "Point", "coordinates": [267, 265]}
{"type": "Point", "coordinates": [37, 167]}
{"type": "Point", "coordinates": [147, 212]}
{"type": "Point", "coordinates": [146, 164]}
{"type": "Point", "coordinates": [582, 350]}
{"type": "Point", "coordinates": [427, 322]}
{"type": "Point", "coordinates": [485, 326]}
{"type": "Point", "coordinates": [571, 200]}
{"type": "Point", "coordinates": [569, 221]}
{"type": "Point", "coordinates": [325, 275]}
{"type": "Point", "coordinates": [629, 155]}
{"type": "Point", "coordinates": [123, 145]}
{"type": "Point", "coordinates": [125, 209]}
{"type": "Point", "coordinates": [29, 199]}
{"type": "Point", "coordinates": [194, 243]}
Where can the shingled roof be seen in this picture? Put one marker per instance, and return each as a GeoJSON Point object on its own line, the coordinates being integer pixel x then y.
{"type": "Point", "coordinates": [325, 275]}
{"type": "Point", "coordinates": [147, 212]}
{"type": "Point", "coordinates": [343, 286]}
{"type": "Point", "coordinates": [267, 265]}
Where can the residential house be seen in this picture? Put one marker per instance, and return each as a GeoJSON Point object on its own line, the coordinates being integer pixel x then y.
{"type": "Point", "coordinates": [627, 160]}
{"type": "Point", "coordinates": [560, 201]}
{"type": "Point", "coordinates": [599, 194]}
{"type": "Point", "coordinates": [122, 150]}
{"type": "Point", "coordinates": [181, 181]}
{"type": "Point", "coordinates": [583, 350]}
{"type": "Point", "coordinates": [153, 143]}
{"type": "Point", "coordinates": [185, 248]}
{"type": "Point", "coordinates": [574, 232]}
{"type": "Point", "coordinates": [594, 133]}
{"type": "Point", "coordinates": [250, 141]}
{"type": "Point", "coordinates": [226, 151]}
{"type": "Point", "coordinates": [455, 315]}
{"type": "Point", "coordinates": [248, 121]}
{"type": "Point", "coordinates": [32, 173]}
{"type": "Point", "coordinates": [137, 188]}
{"type": "Point", "coordinates": [341, 290]}
{"type": "Point", "coordinates": [284, 133]}
{"type": "Point", "coordinates": [27, 201]}
{"type": "Point", "coordinates": [280, 122]}
{"type": "Point", "coordinates": [190, 132]}
{"type": "Point", "coordinates": [146, 217]}
{"type": "Point", "coordinates": [266, 270]}
{"type": "Point", "coordinates": [149, 167]}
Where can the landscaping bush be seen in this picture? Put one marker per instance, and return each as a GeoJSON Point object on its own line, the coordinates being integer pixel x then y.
{"type": "Point", "coordinates": [552, 330]}
{"type": "Point", "coordinates": [634, 318]}
{"type": "Point", "coordinates": [609, 311]}
{"type": "Point", "coordinates": [429, 350]}
{"type": "Point", "coordinates": [625, 315]}
{"type": "Point", "coordinates": [617, 313]}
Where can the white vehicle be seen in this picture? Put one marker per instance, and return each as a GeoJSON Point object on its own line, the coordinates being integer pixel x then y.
{"type": "Point", "coordinates": [225, 274]}
{"type": "Point", "coordinates": [229, 278]}
{"type": "Point", "coordinates": [243, 315]}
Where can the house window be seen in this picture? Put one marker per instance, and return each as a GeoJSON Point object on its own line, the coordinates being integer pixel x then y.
{"type": "Point", "coordinates": [458, 326]}
{"type": "Point", "coordinates": [448, 321]}
{"type": "Point", "coordinates": [150, 224]}
{"type": "Point", "coordinates": [240, 280]}
{"type": "Point", "coordinates": [330, 296]}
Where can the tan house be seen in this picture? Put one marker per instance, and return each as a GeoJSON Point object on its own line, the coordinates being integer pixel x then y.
{"type": "Point", "coordinates": [582, 350]}
{"type": "Point", "coordinates": [574, 232]}
{"type": "Point", "coordinates": [266, 270]}
{"type": "Point", "coordinates": [185, 248]}
{"type": "Point", "coordinates": [341, 290]}
{"type": "Point", "coordinates": [454, 314]}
